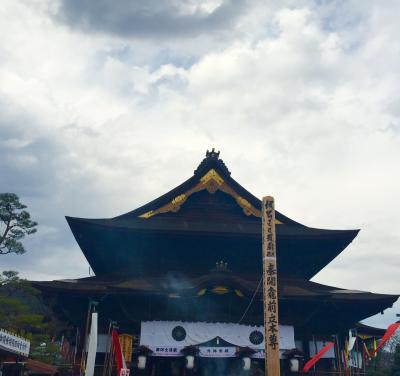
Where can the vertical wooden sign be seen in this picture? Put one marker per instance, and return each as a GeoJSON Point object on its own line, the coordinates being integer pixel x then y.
{"type": "Point", "coordinates": [126, 345]}
{"type": "Point", "coordinates": [270, 279]}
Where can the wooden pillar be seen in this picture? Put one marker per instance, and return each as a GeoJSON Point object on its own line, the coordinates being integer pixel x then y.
{"type": "Point", "coordinates": [270, 285]}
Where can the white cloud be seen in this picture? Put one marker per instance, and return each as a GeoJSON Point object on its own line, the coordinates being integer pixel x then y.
{"type": "Point", "coordinates": [301, 98]}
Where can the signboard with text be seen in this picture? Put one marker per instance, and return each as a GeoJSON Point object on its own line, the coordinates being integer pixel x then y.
{"type": "Point", "coordinates": [270, 279]}
{"type": "Point", "coordinates": [13, 343]}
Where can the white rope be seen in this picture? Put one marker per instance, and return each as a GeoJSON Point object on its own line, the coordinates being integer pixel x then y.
{"type": "Point", "coordinates": [251, 301]}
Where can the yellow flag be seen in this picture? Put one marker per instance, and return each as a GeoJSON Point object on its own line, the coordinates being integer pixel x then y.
{"type": "Point", "coordinates": [346, 350]}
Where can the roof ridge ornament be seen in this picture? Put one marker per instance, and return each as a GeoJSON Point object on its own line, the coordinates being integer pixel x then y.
{"type": "Point", "coordinates": [212, 160]}
{"type": "Point", "coordinates": [212, 154]}
{"type": "Point", "coordinates": [220, 266]}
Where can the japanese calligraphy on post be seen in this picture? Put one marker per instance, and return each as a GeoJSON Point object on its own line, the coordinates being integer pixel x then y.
{"type": "Point", "coordinates": [270, 279]}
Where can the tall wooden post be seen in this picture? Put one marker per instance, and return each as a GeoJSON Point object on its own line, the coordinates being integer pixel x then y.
{"type": "Point", "coordinates": [270, 284]}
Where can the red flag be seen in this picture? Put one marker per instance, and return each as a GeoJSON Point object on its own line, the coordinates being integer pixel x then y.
{"type": "Point", "coordinates": [119, 359]}
{"type": "Point", "coordinates": [317, 357]}
{"type": "Point", "coordinates": [389, 332]}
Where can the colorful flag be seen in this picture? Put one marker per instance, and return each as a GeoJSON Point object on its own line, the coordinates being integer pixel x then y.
{"type": "Point", "coordinates": [352, 341]}
{"type": "Point", "coordinates": [317, 357]}
{"type": "Point", "coordinates": [119, 357]}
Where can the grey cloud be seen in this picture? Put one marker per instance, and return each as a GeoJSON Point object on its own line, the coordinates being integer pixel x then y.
{"type": "Point", "coordinates": [39, 168]}
{"type": "Point", "coordinates": [27, 165]}
{"type": "Point", "coordinates": [150, 18]}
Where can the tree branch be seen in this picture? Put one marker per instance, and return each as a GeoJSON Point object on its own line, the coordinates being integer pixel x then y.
{"type": "Point", "coordinates": [8, 228]}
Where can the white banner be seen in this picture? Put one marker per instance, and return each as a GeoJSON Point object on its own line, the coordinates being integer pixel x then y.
{"type": "Point", "coordinates": [12, 343]}
{"type": "Point", "coordinates": [352, 341]}
{"type": "Point", "coordinates": [204, 351]}
{"type": "Point", "coordinates": [229, 352]}
{"type": "Point", "coordinates": [355, 359]}
{"type": "Point", "coordinates": [165, 351]}
{"type": "Point", "coordinates": [217, 352]}
{"type": "Point", "coordinates": [168, 338]}
{"type": "Point", "coordinates": [92, 347]}
{"type": "Point", "coordinates": [207, 352]}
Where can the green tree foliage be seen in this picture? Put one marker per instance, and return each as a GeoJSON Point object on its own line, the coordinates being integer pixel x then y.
{"type": "Point", "coordinates": [47, 352]}
{"type": "Point", "coordinates": [23, 312]}
{"type": "Point", "coordinates": [396, 362]}
{"type": "Point", "coordinates": [16, 300]}
{"type": "Point", "coordinates": [15, 223]}
{"type": "Point", "coordinates": [387, 363]}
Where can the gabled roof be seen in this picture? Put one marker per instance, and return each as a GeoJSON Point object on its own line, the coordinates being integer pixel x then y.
{"type": "Point", "coordinates": [211, 215]}
{"type": "Point", "coordinates": [211, 175]}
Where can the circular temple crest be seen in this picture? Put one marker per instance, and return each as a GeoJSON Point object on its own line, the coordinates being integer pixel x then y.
{"type": "Point", "coordinates": [178, 333]}
{"type": "Point", "coordinates": [256, 337]}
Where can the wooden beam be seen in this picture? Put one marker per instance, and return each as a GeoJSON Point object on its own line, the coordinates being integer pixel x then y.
{"type": "Point", "coordinates": [270, 284]}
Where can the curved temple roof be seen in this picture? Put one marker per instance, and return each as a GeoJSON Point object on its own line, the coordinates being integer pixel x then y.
{"type": "Point", "coordinates": [207, 218]}
{"type": "Point", "coordinates": [303, 303]}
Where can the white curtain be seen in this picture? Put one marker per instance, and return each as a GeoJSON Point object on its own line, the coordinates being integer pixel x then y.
{"type": "Point", "coordinates": [160, 334]}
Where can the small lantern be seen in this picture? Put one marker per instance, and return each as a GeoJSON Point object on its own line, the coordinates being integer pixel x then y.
{"type": "Point", "coordinates": [294, 357]}
{"type": "Point", "coordinates": [246, 363]}
{"type": "Point", "coordinates": [294, 365]}
{"type": "Point", "coordinates": [245, 353]}
{"type": "Point", "coordinates": [190, 352]}
{"type": "Point", "coordinates": [189, 361]}
{"type": "Point", "coordinates": [142, 353]}
{"type": "Point", "coordinates": [142, 361]}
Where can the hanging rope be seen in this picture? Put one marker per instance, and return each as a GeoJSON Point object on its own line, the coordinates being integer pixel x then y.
{"type": "Point", "coordinates": [251, 301]}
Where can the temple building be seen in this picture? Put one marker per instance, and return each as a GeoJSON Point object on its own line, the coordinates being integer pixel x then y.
{"type": "Point", "coordinates": [185, 270]}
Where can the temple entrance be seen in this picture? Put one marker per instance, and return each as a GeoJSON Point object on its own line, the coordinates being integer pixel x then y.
{"type": "Point", "coordinates": [205, 367]}
{"type": "Point", "coordinates": [207, 349]}
{"type": "Point", "coordinates": [228, 367]}
{"type": "Point", "coordinates": [214, 367]}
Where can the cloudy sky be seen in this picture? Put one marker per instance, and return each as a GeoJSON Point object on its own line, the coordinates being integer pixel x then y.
{"type": "Point", "coordinates": [105, 105]}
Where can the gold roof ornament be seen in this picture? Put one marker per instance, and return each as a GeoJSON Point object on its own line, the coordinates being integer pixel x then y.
{"type": "Point", "coordinates": [212, 182]}
{"type": "Point", "coordinates": [173, 206]}
{"type": "Point", "coordinates": [220, 290]}
{"type": "Point", "coordinates": [239, 293]}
